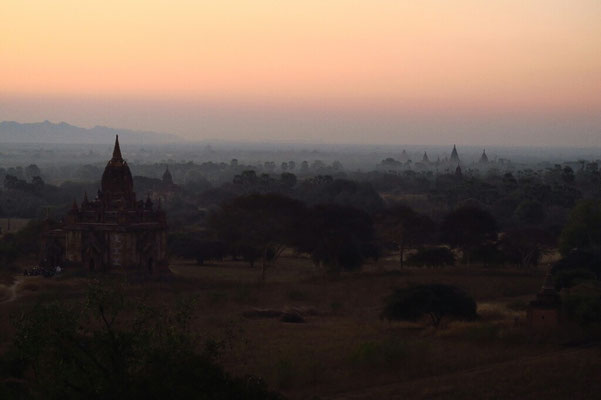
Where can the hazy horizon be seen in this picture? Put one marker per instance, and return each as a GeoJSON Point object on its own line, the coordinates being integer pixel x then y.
{"type": "Point", "coordinates": [508, 74]}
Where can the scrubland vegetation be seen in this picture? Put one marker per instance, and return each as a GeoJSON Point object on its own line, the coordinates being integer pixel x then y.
{"type": "Point", "coordinates": [324, 283]}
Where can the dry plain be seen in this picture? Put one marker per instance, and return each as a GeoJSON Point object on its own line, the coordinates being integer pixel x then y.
{"type": "Point", "coordinates": [343, 349]}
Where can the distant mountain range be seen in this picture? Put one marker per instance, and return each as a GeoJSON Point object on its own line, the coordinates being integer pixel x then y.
{"type": "Point", "coordinates": [48, 132]}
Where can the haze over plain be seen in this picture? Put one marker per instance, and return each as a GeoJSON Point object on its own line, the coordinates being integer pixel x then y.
{"type": "Point", "coordinates": [434, 72]}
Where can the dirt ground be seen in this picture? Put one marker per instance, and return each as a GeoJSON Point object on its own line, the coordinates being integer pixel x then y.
{"type": "Point", "coordinates": [343, 350]}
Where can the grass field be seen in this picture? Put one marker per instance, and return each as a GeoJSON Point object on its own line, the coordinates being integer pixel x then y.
{"type": "Point", "coordinates": [344, 350]}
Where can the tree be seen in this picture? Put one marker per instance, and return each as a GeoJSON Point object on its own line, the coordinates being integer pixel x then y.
{"type": "Point", "coordinates": [37, 184]}
{"type": "Point", "coordinates": [432, 257]}
{"type": "Point", "coordinates": [264, 222]}
{"type": "Point", "coordinates": [530, 212]}
{"type": "Point", "coordinates": [288, 179]}
{"type": "Point", "coordinates": [247, 178]}
{"type": "Point", "coordinates": [405, 228]}
{"type": "Point", "coordinates": [196, 245]}
{"type": "Point", "coordinates": [12, 182]}
{"type": "Point", "coordinates": [583, 229]}
{"type": "Point", "coordinates": [113, 347]}
{"type": "Point", "coordinates": [467, 228]}
{"type": "Point", "coordinates": [435, 300]}
{"type": "Point", "coordinates": [525, 246]}
{"type": "Point", "coordinates": [576, 266]}
{"type": "Point", "coordinates": [322, 189]}
{"type": "Point", "coordinates": [32, 170]}
{"type": "Point", "coordinates": [339, 237]}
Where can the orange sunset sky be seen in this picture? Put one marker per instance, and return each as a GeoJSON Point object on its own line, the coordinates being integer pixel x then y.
{"type": "Point", "coordinates": [378, 71]}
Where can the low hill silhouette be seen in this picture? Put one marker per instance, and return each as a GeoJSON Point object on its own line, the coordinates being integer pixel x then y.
{"type": "Point", "coordinates": [48, 132]}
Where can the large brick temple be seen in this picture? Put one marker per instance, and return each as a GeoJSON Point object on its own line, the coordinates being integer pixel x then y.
{"type": "Point", "coordinates": [113, 231]}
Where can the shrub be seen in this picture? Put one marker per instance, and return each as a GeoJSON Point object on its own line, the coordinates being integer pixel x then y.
{"type": "Point", "coordinates": [577, 265]}
{"type": "Point", "coordinates": [108, 347]}
{"type": "Point", "coordinates": [582, 308]}
{"type": "Point", "coordinates": [435, 301]}
{"type": "Point", "coordinates": [583, 229]}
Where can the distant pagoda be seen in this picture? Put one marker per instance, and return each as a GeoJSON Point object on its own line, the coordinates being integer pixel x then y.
{"type": "Point", "coordinates": [458, 172]}
{"type": "Point", "coordinates": [483, 157]}
{"type": "Point", "coordinates": [454, 156]}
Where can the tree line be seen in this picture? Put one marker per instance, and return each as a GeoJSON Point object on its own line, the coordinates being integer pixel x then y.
{"type": "Point", "coordinates": [258, 227]}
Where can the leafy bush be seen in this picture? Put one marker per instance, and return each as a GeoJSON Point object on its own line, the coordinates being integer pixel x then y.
{"type": "Point", "coordinates": [432, 257]}
{"type": "Point", "coordinates": [435, 300]}
{"type": "Point", "coordinates": [584, 309]}
{"type": "Point", "coordinates": [111, 348]}
{"type": "Point", "coordinates": [583, 229]}
{"type": "Point", "coordinates": [577, 265]}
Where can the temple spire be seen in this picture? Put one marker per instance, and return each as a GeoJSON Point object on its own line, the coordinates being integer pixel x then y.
{"type": "Point", "coordinates": [117, 149]}
{"type": "Point", "coordinates": [454, 155]}
{"type": "Point", "coordinates": [483, 157]}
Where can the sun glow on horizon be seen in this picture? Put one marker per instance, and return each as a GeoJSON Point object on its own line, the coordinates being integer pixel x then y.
{"type": "Point", "coordinates": [527, 56]}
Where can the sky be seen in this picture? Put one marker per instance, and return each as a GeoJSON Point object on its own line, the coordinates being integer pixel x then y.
{"type": "Point", "coordinates": [503, 72]}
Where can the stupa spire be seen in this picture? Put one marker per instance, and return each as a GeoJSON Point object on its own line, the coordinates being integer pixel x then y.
{"type": "Point", "coordinates": [454, 155]}
{"type": "Point", "coordinates": [117, 149]}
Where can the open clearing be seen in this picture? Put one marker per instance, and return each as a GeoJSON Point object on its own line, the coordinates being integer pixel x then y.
{"type": "Point", "coordinates": [344, 350]}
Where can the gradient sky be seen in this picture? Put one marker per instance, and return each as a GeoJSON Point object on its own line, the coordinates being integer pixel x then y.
{"type": "Point", "coordinates": [502, 72]}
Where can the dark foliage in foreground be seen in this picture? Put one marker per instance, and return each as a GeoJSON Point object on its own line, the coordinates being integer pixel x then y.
{"type": "Point", "coordinates": [577, 266]}
{"type": "Point", "coordinates": [583, 229]}
{"type": "Point", "coordinates": [580, 246]}
{"type": "Point", "coordinates": [436, 301]}
{"type": "Point", "coordinates": [583, 308]}
{"type": "Point", "coordinates": [109, 348]}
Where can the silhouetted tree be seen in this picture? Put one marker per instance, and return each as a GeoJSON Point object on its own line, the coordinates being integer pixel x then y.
{"type": "Point", "coordinates": [576, 266]}
{"type": "Point", "coordinates": [530, 212]}
{"type": "Point", "coordinates": [467, 228]}
{"type": "Point", "coordinates": [264, 222]}
{"type": "Point", "coordinates": [336, 236]}
{"type": "Point", "coordinates": [113, 347]}
{"type": "Point", "coordinates": [432, 257]}
{"type": "Point", "coordinates": [31, 171]}
{"type": "Point", "coordinates": [583, 229]}
{"type": "Point", "coordinates": [525, 246]}
{"type": "Point", "coordinates": [288, 179]}
{"type": "Point", "coordinates": [405, 228]}
{"type": "Point", "coordinates": [436, 301]}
